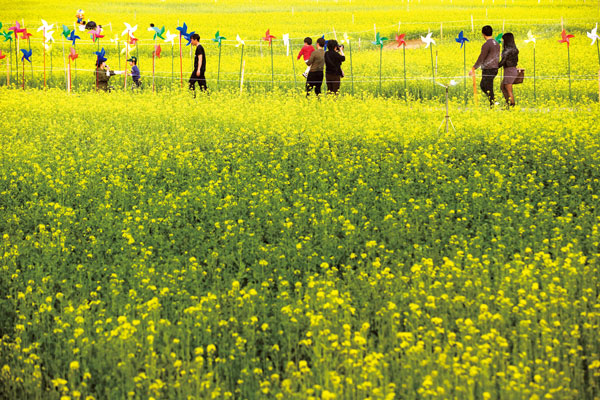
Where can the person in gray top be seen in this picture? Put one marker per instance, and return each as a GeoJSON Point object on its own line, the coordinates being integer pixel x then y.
{"type": "Point", "coordinates": [316, 62]}
{"type": "Point", "coordinates": [488, 61]}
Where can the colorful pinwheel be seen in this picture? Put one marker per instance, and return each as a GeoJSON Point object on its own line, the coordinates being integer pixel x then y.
{"type": "Point", "coordinates": [428, 39]}
{"type": "Point", "coordinates": [218, 38]}
{"type": "Point", "coordinates": [115, 40]}
{"type": "Point", "coordinates": [26, 55]}
{"type": "Point", "coordinates": [182, 33]}
{"type": "Point", "coordinates": [2, 56]}
{"type": "Point", "coordinates": [66, 31]}
{"type": "Point", "coordinates": [239, 40]}
{"type": "Point", "coordinates": [73, 54]}
{"type": "Point", "coordinates": [17, 28]}
{"type": "Point", "coordinates": [100, 56]}
{"type": "Point", "coordinates": [96, 34]}
{"type": "Point", "coordinates": [326, 42]}
{"type": "Point", "coordinates": [49, 37]}
{"type": "Point", "coordinates": [499, 38]}
{"type": "Point", "coordinates": [157, 51]}
{"type": "Point", "coordinates": [268, 37]}
{"type": "Point", "coordinates": [379, 41]}
{"type": "Point", "coordinates": [26, 35]}
{"type": "Point", "coordinates": [461, 39]}
{"type": "Point", "coordinates": [400, 39]}
{"type": "Point", "coordinates": [7, 36]}
{"type": "Point", "coordinates": [72, 37]}
{"type": "Point", "coordinates": [182, 30]}
{"type": "Point", "coordinates": [157, 32]}
{"type": "Point", "coordinates": [565, 38]}
{"type": "Point", "coordinates": [188, 37]}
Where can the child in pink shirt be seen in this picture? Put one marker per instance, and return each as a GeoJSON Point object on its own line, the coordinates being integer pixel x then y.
{"type": "Point", "coordinates": [305, 52]}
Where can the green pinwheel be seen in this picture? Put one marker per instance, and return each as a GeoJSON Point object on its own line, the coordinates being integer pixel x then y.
{"type": "Point", "coordinates": [158, 33]}
{"type": "Point", "coordinates": [217, 39]}
{"type": "Point", "coordinates": [499, 38]}
{"type": "Point", "coordinates": [379, 41]}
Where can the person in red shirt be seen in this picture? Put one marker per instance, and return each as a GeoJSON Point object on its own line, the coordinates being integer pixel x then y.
{"type": "Point", "coordinates": [305, 52]}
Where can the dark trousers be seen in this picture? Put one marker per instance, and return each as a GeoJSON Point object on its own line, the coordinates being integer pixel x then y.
{"type": "Point", "coordinates": [487, 83]}
{"type": "Point", "coordinates": [333, 83]}
{"type": "Point", "coordinates": [201, 80]}
{"type": "Point", "coordinates": [314, 80]}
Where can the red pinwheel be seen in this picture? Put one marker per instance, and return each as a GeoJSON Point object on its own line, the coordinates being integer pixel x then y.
{"type": "Point", "coordinates": [565, 38]}
{"type": "Point", "coordinates": [73, 54]}
{"type": "Point", "coordinates": [400, 39]}
{"type": "Point", "coordinates": [2, 55]}
{"type": "Point", "coordinates": [268, 37]}
{"type": "Point", "coordinates": [157, 51]}
{"type": "Point", "coordinates": [132, 40]}
{"type": "Point", "coordinates": [26, 35]}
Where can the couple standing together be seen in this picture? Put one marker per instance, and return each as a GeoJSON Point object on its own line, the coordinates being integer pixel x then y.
{"type": "Point", "coordinates": [489, 61]}
{"type": "Point", "coordinates": [319, 60]}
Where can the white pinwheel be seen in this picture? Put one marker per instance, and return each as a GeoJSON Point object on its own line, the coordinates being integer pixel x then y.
{"type": "Point", "coordinates": [530, 38]}
{"type": "Point", "coordinates": [127, 48]}
{"type": "Point", "coordinates": [593, 35]}
{"type": "Point", "coordinates": [286, 41]}
{"type": "Point", "coordinates": [47, 47]}
{"type": "Point", "coordinates": [346, 39]}
{"type": "Point", "coordinates": [49, 36]}
{"type": "Point", "coordinates": [45, 27]}
{"type": "Point", "coordinates": [115, 40]}
{"type": "Point", "coordinates": [428, 39]}
{"type": "Point", "coordinates": [240, 41]}
{"type": "Point", "coordinates": [170, 37]}
{"type": "Point", "coordinates": [129, 29]}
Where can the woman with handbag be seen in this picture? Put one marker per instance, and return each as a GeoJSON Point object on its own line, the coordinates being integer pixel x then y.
{"type": "Point", "coordinates": [509, 61]}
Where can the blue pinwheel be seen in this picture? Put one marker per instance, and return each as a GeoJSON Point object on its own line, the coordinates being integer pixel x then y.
{"type": "Point", "coordinates": [182, 30]}
{"type": "Point", "coordinates": [26, 55]}
{"type": "Point", "coordinates": [326, 42]}
{"type": "Point", "coordinates": [100, 55]}
{"type": "Point", "coordinates": [72, 37]}
{"type": "Point", "coordinates": [461, 39]}
{"type": "Point", "coordinates": [188, 37]}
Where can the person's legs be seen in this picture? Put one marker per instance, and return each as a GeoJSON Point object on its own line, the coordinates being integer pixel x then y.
{"type": "Point", "coordinates": [505, 92]}
{"type": "Point", "coordinates": [309, 83]}
{"type": "Point", "coordinates": [511, 96]}
{"type": "Point", "coordinates": [202, 82]}
{"type": "Point", "coordinates": [318, 82]}
{"type": "Point", "coordinates": [487, 83]}
{"type": "Point", "coordinates": [336, 84]}
{"type": "Point", "coordinates": [329, 82]}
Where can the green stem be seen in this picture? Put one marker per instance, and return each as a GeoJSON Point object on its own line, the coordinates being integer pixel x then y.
{"type": "Point", "coordinates": [465, 70]}
{"type": "Point", "coordinates": [534, 79]}
{"type": "Point", "coordinates": [380, 66]}
{"type": "Point", "coordinates": [241, 64]}
{"type": "Point", "coordinates": [432, 70]}
{"type": "Point", "coordinates": [569, 61]}
{"type": "Point", "coordinates": [404, 62]}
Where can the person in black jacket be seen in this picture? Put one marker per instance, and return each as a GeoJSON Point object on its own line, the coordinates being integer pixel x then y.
{"type": "Point", "coordinates": [510, 59]}
{"type": "Point", "coordinates": [334, 57]}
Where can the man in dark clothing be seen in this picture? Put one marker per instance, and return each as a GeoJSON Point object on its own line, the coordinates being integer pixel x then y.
{"type": "Point", "coordinates": [199, 65]}
{"type": "Point", "coordinates": [488, 61]}
{"type": "Point", "coordinates": [316, 62]}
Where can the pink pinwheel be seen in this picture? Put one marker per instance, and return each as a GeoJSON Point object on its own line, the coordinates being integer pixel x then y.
{"type": "Point", "coordinates": [565, 38]}
{"type": "Point", "coordinates": [268, 37]}
{"type": "Point", "coordinates": [157, 51]}
{"type": "Point", "coordinates": [400, 39]}
{"type": "Point", "coordinates": [17, 28]}
{"type": "Point", "coordinates": [73, 54]}
{"type": "Point", "coordinates": [96, 34]}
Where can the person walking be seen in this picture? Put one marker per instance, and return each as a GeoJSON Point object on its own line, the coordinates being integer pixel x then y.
{"type": "Point", "coordinates": [488, 61]}
{"type": "Point", "coordinates": [199, 65]}
{"type": "Point", "coordinates": [314, 80]}
{"type": "Point", "coordinates": [103, 74]}
{"type": "Point", "coordinates": [334, 57]}
{"type": "Point", "coordinates": [509, 61]}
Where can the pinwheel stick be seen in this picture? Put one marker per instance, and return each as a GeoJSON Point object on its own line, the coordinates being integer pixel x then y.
{"type": "Point", "coordinates": [272, 67]}
{"type": "Point", "coordinates": [241, 68]}
{"type": "Point", "coordinates": [465, 69]}
{"type": "Point", "coordinates": [293, 66]}
{"type": "Point", "coordinates": [432, 69]}
{"type": "Point", "coordinates": [44, 60]}
{"type": "Point", "coordinates": [404, 62]}
{"type": "Point", "coordinates": [351, 72]}
{"type": "Point", "coordinates": [153, 66]}
{"type": "Point", "coordinates": [598, 50]}
{"type": "Point", "coordinates": [180, 61]}
{"type": "Point", "coordinates": [219, 67]}
{"type": "Point", "coordinates": [23, 74]}
{"type": "Point", "coordinates": [172, 66]}
{"type": "Point", "coordinates": [380, 66]}
{"type": "Point", "coordinates": [569, 70]}
{"type": "Point", "coordinates": [534, 92]}
{"type": "Point", "coordinates": [7, 72]}
{"type": "Point", "coordinates": [67, 77]}
{"type": "Point", "coordinates": [30, 63]}
{"type": "Point", "coordinates": [475, 90]}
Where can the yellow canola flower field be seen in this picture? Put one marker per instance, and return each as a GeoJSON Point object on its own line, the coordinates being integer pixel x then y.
{"type": "Point", "coordinates": [264, 245]}
{"type": "Point", "coordinates": [274, 247]}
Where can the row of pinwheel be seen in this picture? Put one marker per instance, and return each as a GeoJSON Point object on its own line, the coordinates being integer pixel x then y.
{"type": "Point", "coordinates": [129, 46]}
